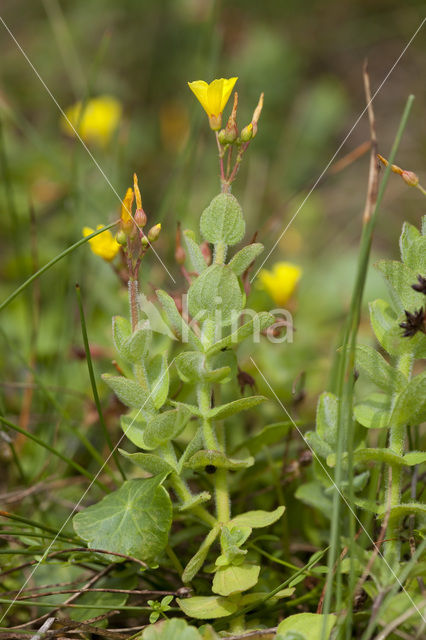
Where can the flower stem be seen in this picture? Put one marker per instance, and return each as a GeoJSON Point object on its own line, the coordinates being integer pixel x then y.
{"type": "Point", "coordinates": [133, 300]}
{"type": "Point", "coordinates": [211, 441]}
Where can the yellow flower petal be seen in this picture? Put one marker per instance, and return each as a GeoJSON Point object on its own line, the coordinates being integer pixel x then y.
{"type": "Point", "coordinates": [126, 206]}
{"type": "Point", "coordinates": [281, 282]}
{"type": "Point", "coordinates": [199, 89]}
{"type": "Point", "coordinates": [214, 96]}
{"type": "Point", "coordinates": [103, 245]}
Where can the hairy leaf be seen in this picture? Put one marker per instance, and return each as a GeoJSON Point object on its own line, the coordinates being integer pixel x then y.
{"type": "Point", "coordinates": [129, 392]}
{"type": "Point", "coordinates": [195, 254]}
{"type": "Point", "coordinates": [231, 408]}
{"type": "Point", "coordinates": [165, 426]}
{"type": "Point", "coordinates": [257, 519]}
{"type": "Point", "coordinates": [399, 278]}
{"type": "Point", "coordinates": [410, 405]}
{"type": "Point", "coordinates": [218, 459]}
{"type": "Point", "coordinates": [249, 329]}
{"type": "Point", "coordinates": [374, 411]}
{"type": "Point", "coordinates": [378, 370]}
{"type": "Point", "coordinates": [216, 294]}
{"type": "Point", "coordinates": [243, 259]}
{"type": "Point", "coordinates": [326, 419]}
{"type": "Point", "coordinates": [223, 220]}
{"type": "Point", "coordinates": [148, 462]}
{"type": "Point", "coordinates": [197, 561]}
{"type": "Point", "coordinates": [180, 328]}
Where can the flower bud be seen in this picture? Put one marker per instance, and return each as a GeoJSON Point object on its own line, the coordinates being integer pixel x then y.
{"type": "Point", "coordinates": [410, 178]}
{"type": "Point", "coordinates": [231, 130]}
{"type": "Point", "coordinates": [140, 217]}
{"type": "Point", "coordinates": [154, 232]}
{"type": "Point", "coordinates": [222, 137]}
{"type": "Point", "coordinates": [144, 242]}
{"type": "Point", "coordinates": [247, 133]}
{"type": "Point", "coordinates": [180, 255]}
{"type": "Point", "coordinates": [256, 114]}
{"type": "Point", "coordinates": [121, 237]}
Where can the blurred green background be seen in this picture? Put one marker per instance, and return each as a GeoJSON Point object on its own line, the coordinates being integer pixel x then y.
{"type": "Point", "coordinates": [306, 56]}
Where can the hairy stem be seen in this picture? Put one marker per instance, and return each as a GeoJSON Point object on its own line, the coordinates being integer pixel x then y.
{"type": "Point", "coordinates": [133, 301]}
{"type": "Point", "coordinates": [211, 441]}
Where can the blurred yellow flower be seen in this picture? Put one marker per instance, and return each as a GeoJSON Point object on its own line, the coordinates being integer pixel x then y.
{"type": "Point", "coordinates": [103, 245]}
{"type": "Point", "coordinates": [213, 97]}
{"type": "Point", "coordinates": [281, 282]}
{"type": "Point", "coordinates": [98, 121]}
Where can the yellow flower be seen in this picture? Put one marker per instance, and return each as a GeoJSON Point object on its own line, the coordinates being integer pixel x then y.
{"type": "Point", "coordinates": [281, 282]}
{"type": "Point", "coordinates": [126, 206]}
{"type": "Point", "coordinates": [98, 122]}
{"type": "Point", "coordinates": [103, 245]}
{"type": "Point", "coordinates": [213, 97]}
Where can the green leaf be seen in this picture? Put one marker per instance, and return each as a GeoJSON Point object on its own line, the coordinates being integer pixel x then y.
{"type": "Point", "coordinates": [148, 462]}
{"type": "Point", "coordinates": [310, 625]}
{"type": "Point", "coordinates": [197, 561]}
{"type": "Point", "coordinates": [378, 370]}
{"type": "Point", "coordinates": [405, 509]}
{"type": "Point", "coordinates": [380, 456]}
{"type": "Point", "coordinates": [408, 236]}
{"type": "Point", "coordinates": [159, 379]}
{"type": "Point", "coordinates": [254, 326]}
{"type": "Point", "coordinates": [216, 294]}
{"type": "Point", "coordinates": [326, 418]}
{"type": "Point", "coordinates": [270, 434]}
{"type": "Point", "coordinates": [180, 328]}
{"type": "Point", "coordinates": [193, 446]}
{"type": "Point", "coordinates": [231, 408]}
{"type": "Point", "coordinates": [414, 457]}
{"type": "Point", "coordinates": [195, 254]}
{"type": "Point", "coordinates": [174, 629]}
{"type": "Point", "coordinates": [312, 494]}
{"type": "Point", "coordinates": [399, 278]}
{"type": "Point", "coordinates": [132, 347]}
{"type": "Point", "coordinates": [374, 411]}
{"type": "Point", "coordinates": [243, 259]}
{"type": "Point", "coordinates": [165, 426]}
{"type": "Point", "coordinates": [251, 598]}
{"type": "Point", "coordinates": [133, 429]}
{"type": "Point", "coordinates": [190, 367]}
{"type": "Point", "coordinates": [225, 360]}
{"type": "Point", "coordinates": [218, 459]}
{"type": "Point", "coordinates": [223, 220]}
{"type": "Point", "coordinates": [129, 392]}
{"type": "Point", "coordinates": [195, 500]}
{"type": "Point", "coordinates": [234, 579]}
{"type": "Point", "coordinates": [417, 256]}
{"type": "Point", "coordinates": [206, 607]}
{"type": "Point", "coordinates": [134, 520]}
{"type": "Point", "coordinates": [256, 519]}
{"type": "Point", "coordinates": [321, 448]}
{"type": "Point", "coordinates": [410, 405]}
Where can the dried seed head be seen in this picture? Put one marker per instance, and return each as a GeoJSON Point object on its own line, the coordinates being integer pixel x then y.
{"type": "Point", "coordinates": [415, 322]}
